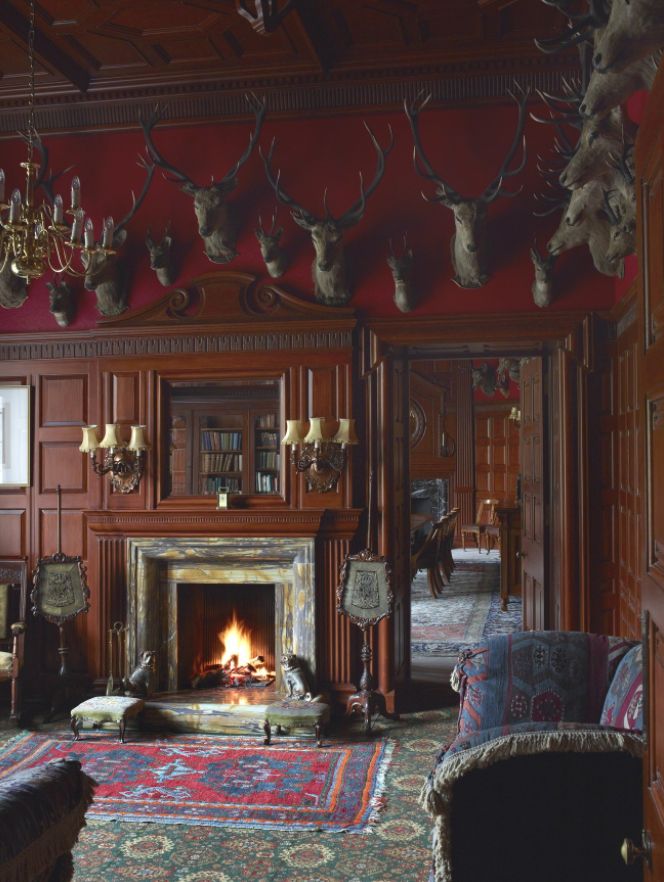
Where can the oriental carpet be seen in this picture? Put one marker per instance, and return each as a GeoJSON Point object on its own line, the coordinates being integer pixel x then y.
{"type": "Point", "coordinates": [397, 848]}
{"type": "Point", "coordinates": [218, 781]}
{"type": "Point", "coordinates": [467, 612]}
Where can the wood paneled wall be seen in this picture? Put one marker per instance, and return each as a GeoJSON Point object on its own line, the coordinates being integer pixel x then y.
{"type": "Point", "coordinates": [496, 453]}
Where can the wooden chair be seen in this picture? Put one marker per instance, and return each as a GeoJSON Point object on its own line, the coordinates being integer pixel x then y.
{"type": "Point", "coordinates": [492, 535]}
{"type": "Point", "coordinates": [485, 516]}
{"type": "Point", "coordinates": [447, 544]}
{"type": "Point", "coordinates": [427, 557]}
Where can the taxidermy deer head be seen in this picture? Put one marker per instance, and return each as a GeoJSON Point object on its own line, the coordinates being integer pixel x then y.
{"type": "Point", "coordinates": [402, 272]}
{"type": "Point", "coordinates": [635, 29]}
{"type": "Point", "coordinates": [607, 90]}
{"type": "Point", "coordinates": [592, 229]}
{"type": "Point", "coordinates": [161, 256]}
{"type": "Point", "coordinates": [468, 245]}
{"type": "Point", "coordinates": [274, 256]}
{"type": "Point", "coordinates": [61, 302]}
{"type": "Point", "coordinates": [601, 139]}
{"type": "Point", "coordinates": [331, 285]}
{"type": "Point", "coordinates": [103, 271]}
{"type": "Point", "coordinates": [485, 378]}
{"type": "Point", "coordinates": [13, 289]}
{"type": "Point", "coordinates": [216, 223]}
{"type": "Point", "coordinates": [542, 287]}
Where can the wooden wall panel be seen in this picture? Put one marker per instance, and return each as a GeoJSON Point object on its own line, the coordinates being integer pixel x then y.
{"type": "Point", "coordinates": [63, 400]}
{"type": "Point", "coordinates": [464, 489]}
{"type": "Point", "coordinates": [496, 454]}
{"type": "Point", "coordinates": [13, 532]}
{"type": "Point", "coordinates": [125, 397]}
{"type": "Point", "coordinates": [60, 462]}
{"type": "Point", "coordinates": [73, 540]}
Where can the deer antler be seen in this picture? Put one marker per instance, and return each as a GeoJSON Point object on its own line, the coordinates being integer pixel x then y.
{"type": "Point", "coordinates": [495, 188]}
{"type": "Point", "coordinates": [136, 203]}
{"type": "Point", "coordinates": [258, 108]}
{"type": "Point", "coordinates": [355, 212]}
{"type": "Point", "coordinates": [420, 162]}
{"type": "Point", "coordinates": [147, 125]}
{"type": "Point", "coordinates": [305, 216]}
{"type": "Point", "coordinates": [264, 20]}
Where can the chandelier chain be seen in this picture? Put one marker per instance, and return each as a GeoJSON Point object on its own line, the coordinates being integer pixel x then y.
{"type": "Point", "coordinates": [31, 61]}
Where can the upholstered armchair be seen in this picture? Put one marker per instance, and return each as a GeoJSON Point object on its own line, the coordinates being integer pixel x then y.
{"type": "Point", "coordinates": [543, 781]}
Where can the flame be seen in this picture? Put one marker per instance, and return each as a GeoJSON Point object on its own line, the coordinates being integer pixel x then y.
{"type": "Point", "coordinates": [235, 640]}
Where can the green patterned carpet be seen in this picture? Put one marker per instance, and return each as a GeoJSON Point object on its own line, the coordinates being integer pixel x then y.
{"type": "Point", "coordinates": [395, 850]}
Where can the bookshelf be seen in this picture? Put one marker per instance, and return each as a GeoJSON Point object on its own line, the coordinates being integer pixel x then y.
{"type": "Point", "coordinates": [231, 445]}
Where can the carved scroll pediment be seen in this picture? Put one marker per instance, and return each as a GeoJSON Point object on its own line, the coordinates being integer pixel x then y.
{"type": "Point", "coordinates": [227, 298]}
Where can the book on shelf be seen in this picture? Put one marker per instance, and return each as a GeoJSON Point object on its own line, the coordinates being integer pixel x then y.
{"type": "Point", "coordinates": [210, 484]}
{"type": "Point", "coordinates": [267, 482]}
{"type": "Point", "coordinates": [220, 439]}
{"type": "Point", "coordinates": [266, 421]}
{"type": "Point", "coordinates": [221, 462]}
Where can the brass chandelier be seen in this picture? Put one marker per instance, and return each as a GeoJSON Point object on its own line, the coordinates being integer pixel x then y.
{"type": "Point", "coordinates": [34, 239]}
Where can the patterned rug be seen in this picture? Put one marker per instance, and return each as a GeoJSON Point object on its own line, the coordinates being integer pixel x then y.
{"type": "Point", "coordinates": [468, 610]}
{"type": "Point", "coordinates": [397, 847]}
{"type": "Point", "coordinates": [220, 781]}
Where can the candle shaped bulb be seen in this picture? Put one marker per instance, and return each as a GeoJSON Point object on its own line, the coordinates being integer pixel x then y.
{"type": "Point", "coordinates": [294, 433]}
{"type": "Point", "coordinates": [75, 193]}
{"type": "Point", "coordinates": [346, 432]}
{"type": "Point", "coordinates": [315, 434]}
{"type": "Point", "coordinates": [15, 207]}
{"type": "Point", "coordinates": [107, 239]}
{"type": "Point", "coordinates": [2, 185]}
{"type": "Point", "coordinates": [77, 226]}
{"type": "Point", "coordinates": [90, 439]}
{"type": "Point", "coordinates": [110, 438]}
{"type": "Point", "coordinates": [89, 234]}
{"type": "Point", "coordinates": [137, 440]}
{"type": "Point", "coordinates": [58, 210]}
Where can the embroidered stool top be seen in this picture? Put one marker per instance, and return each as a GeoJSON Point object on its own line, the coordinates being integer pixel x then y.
{"type": "Point", "coordinates": [106, 709]}
{"type": "Point", "coordinates": [293, 714]}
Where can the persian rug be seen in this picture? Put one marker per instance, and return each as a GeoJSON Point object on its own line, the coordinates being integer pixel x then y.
{"type": "Point", "coordinates": [220, 781]}
{"type": "Point", "coordinates": [467, 612]}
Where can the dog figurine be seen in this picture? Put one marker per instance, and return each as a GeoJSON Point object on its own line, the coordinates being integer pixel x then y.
{"type": "Point", "coordinates": [295, 678]}
{"type": "Point", "coordinates": [139, 682]}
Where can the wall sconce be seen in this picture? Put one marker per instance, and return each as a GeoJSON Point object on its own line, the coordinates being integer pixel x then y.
{"type": "Point", "coordinates": [447, 444]}
{"type": "Point", "coordinates": [124, 462]}
{"type": "Point", "coordinates": [515, 414]}
{"type": "Point", "coordinates": [321, 457]}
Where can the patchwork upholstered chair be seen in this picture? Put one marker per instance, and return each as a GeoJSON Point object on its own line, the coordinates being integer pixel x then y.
{"type": "Point", "coordinates": [543, 781]}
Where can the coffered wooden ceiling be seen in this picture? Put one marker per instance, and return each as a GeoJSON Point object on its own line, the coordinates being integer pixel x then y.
{"type": "Point", "coordinates": [99, 62]}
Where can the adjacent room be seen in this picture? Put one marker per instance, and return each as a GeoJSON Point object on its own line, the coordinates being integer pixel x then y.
{"type": "Point", "coordinates": [331, 395]}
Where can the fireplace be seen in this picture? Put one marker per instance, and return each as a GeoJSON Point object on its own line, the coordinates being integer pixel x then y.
{"type": "Point", "coordinates": [179, 590]}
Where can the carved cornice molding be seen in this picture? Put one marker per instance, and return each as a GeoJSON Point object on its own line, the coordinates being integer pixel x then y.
{"type": "Point", "coordinates": [465, 82]}
{"type": "Point", "coordinates": [286, 522]}
{"type": "Point", "coordinates": [185, 344]}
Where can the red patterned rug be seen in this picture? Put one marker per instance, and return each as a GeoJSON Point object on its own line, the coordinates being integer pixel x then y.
{"type": "Point", "coordinates": [220, 781]}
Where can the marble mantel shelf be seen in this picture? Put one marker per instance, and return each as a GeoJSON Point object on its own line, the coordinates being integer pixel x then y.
{"type": "Point", "coordinates": [234, 522]}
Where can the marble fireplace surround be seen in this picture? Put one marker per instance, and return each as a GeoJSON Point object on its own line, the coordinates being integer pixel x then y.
{"type": "Point", "coordinates": [156, 566]}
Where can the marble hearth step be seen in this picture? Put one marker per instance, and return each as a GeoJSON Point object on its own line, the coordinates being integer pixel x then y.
{"type": "Point", "coordinates": [220, 711]}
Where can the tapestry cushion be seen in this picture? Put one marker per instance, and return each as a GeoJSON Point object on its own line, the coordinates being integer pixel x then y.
{"type": "Point", "coordinates": [6, 665]}
{"type": "Point", "coordinates": [623, 706]}
{"type": "Point", "coordinates": [536, 676]}
{"type": "Point", "coordinates": [108, 708]}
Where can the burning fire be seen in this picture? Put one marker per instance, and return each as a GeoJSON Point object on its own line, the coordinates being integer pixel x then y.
{"type": "Point", "coordinates": [236, 644]}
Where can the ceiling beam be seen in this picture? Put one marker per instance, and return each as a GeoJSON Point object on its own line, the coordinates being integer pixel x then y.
{"type": "Point", "coordinates": [45, 49]}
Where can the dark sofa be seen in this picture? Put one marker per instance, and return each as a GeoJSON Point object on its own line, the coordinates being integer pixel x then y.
{"type": "Point", "coordinates": [42, 811]}
{"type": "Point", "coordinates": [543, 781]}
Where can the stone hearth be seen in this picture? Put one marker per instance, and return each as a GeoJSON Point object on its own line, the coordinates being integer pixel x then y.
{"type": "Point", "coordinates": [160, 567]}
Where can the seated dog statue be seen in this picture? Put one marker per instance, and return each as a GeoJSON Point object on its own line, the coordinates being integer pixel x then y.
{"type": "Point", "coordinates": [139, 682]}
{"type": "Point", "coordinates": [295, 678]}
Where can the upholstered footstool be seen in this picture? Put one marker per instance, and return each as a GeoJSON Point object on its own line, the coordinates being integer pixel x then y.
{"type": "Point", "coordinates": [297, 715]}
{"type": "Point", "coordinates": [106, 709]}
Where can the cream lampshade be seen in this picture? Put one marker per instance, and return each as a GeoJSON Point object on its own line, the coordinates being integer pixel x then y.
{"type": "Point", "coordinates": [137, 440]}
{"type": "Point", "coordinates": [294, 432]}
{"type": "Point", "coordinates": [315, 433]}
{"type": "Point", "coordinates": [346, 432]}
{"type": "Point", "coordinates": [90, 439]}
{"type": "Point", "coordinates": [110, 438]}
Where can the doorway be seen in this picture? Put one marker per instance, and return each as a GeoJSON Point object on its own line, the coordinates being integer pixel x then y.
{"type": "Point", "coordinates": [465, 435]}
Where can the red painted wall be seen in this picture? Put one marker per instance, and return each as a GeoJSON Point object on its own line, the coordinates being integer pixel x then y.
{"type": "Point", "coordinates": [466, 147]}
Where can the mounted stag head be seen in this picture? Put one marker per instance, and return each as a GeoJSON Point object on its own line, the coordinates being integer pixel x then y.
{"type": "Point", "coordinates": [601, 139]}
{"type": "Point", "coordinates": [468, 245]}
{"type": "Point", "coordinates": [402, 273]}
{"type": "Point", "coordinates": [61, 302]}
{"type": "Point", "coordinates": [635, 29]}
{"type": "Point", "coordinates": [591, 229]}
{"type": "Point", "coordinates": [331, 285]}
{"type": "Point", "coordinates": [216, 223]}
{"type": "Point", "coordinates": [274, 256]}
{"type": "Point", "coordinates": [13, 288]}
{"type": "Point", "coordinates": [485, 378]}
{"type": "Point", "coordinates": [580, 28]}
{"type": "Point", "coordinates": [607, 90]}
{"type": "Point", "coordinates": [542, 287]}
{"type": "Point", "coordinates": [103, 271]}
{"type": "Point", "coordinates": [161, 256]}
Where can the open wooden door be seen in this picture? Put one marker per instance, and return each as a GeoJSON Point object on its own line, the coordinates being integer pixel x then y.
{"type": "Point", "coordinates": [533, 489]}
{"type": "Point", "coordinates": [650, 191]}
